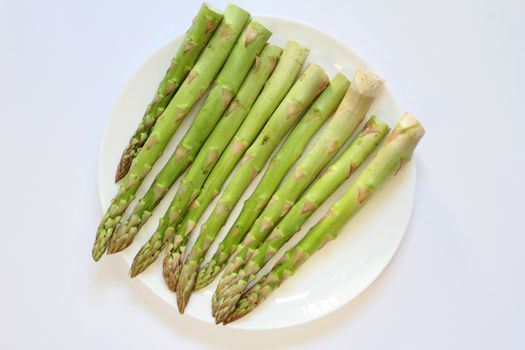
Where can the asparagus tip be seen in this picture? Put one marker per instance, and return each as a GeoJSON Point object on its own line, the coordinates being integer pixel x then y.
{"type": "Point", "coordinates": [96, 252]}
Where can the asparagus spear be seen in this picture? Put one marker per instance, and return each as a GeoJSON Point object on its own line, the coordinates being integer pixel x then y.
{"type": "Point", "coordinates": [200, 32]}
{"type": "Point", "coordinates": [291, 150]}
{"type": "Point", "coordinates": [225, 87]}
{"type": "Point", "coordinates": [275, 89]}
{"type": "Point", "coordinates": [352, 110]}
{"type": "Point", "coordinates": [359, 97]}
{"type": "Point", "coordinates": [305, 90]}
{"type": "Point", "coordinates": [248, 262]}
{"type": "Point", "coordinates": [196, 83]}
{"type": "Point", "coordinates": [310, 85]}
{"type": "Point", "coordinates": [397, 151]}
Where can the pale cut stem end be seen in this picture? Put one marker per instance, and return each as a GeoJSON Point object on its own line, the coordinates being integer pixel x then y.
{"type": "Point", "coordinates": [211, 8]}
{"type": "Point", "coordinates": [408, 121]}
{"type": "Point", "coordinates": [367, 83]}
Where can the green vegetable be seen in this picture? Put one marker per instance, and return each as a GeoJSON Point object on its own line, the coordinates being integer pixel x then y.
{"type": "Point", "coordinates": [397, 151]}
{"type": "Point", "coordinates": [349, 115]}
{"type": "Point", "coordinates": [223, 133]}
{"type": "Point", "coordinates": [148, 254]}
{"type": "Point", "coordinates": [274, 91]}
{"type": "Point", "coordinates": [225, 87]}
{"type": "Point", "coordinates": [249, 261]}
{"type": "Point", "coordinates": [359, 97]}
{"type": "Point", "coordinates": [302, 94]}
{"type": "Point", "coordinates": [195, 84]}
{"type": "Point", "coordinates": [288, 154]}
{"type": "Point", "coordinates": [200, 32]}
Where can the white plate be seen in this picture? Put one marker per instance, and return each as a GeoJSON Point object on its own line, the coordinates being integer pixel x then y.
{"type": "Point", "coordinates": [332, 277]}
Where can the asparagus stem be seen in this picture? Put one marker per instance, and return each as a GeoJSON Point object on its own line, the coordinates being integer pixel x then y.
{"type": "Point", "coordinates": [302, 94]}
{"type": "Point", "coordinates": [195, 84]}
{"type": "Point", "coordinates": [222, 133]}
{"type": "Point", "coordinates": [352, 110]}
{"type": "Point", "coordinates": [149, 253]}
{"type": "Point", "coordinates": [243, 269]}
{"type": "Point", "coordinates": [230, 78]}
{"type": "Point", "coordinates": [288, 154]}
{"type": "Point", "coordinates": [200, 32]}
{"type": "Point", "coordinates": [392, 156]}
{"type": "Point", "coordinates": [274, 91]}
{"type": "Point", "coordinates": [350, 113]}
{"type": "Point", "coordinates": [291, 150]}
{"type": "Point", "coordinates": [220, 138]}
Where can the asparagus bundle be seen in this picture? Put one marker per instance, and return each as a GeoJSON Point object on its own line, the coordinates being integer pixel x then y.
{"type": "Point", "coordinates": [358, 98]}
{"type": "Point", "coordinates": [226, 85]}
{"type": "Point", "coordinates": [397, 151]}
{"type": "Point", "coordinates": [305, 90]}
{"type": "Point", "coordinates": [291, 150]}
{"type": "Point", "coordinates": [364, 89]}
{"type": "Point", "coordinates": [196, 83]}
{"type": "Point", "coordinates": [211, 150]}
{"type": "Point", "coordinates": [200, 32]}
{"type": "Point", "coordinates": [247, 263]}
{"type": "Point", "coordinates": [310, 85]}
{"type": "Point", "coordinates": [273, 92]}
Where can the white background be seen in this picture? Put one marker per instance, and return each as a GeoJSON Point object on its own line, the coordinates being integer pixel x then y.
{"type": "Point", "coordinates": [457, 281]}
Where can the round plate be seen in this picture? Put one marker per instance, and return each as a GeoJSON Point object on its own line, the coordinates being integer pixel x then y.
{"type": "Point", "coordinates": [333, 276]}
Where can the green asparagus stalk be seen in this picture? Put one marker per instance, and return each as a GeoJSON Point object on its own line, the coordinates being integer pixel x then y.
{"type": "Point", "coordinates": [245, 269]}
{"type": "Point", "coordinates": [358, 99]}
{"type": "Point", "coordinates": [274, 91]}
{"type": "Point", "coordinates": [350, 113]}
{"type": "Point", "coordinates": [288, 154]}
{"type": "Point", "coordinates": [397, 151]}
{"type": "Point", "coordinates": [225, 87]}
{"type": "Point", "coordinates": [228, 82]}
{"type": "Point", "coordinates": [310, 85]}
{"type": "Point", "coordinates": [195, 84]}
{"type": "Point", "coordinates": [200, 32]}
{"type": "Point", "coordinates": [223, 133]}
{"type": "Point", "coordinates": [281, 80]}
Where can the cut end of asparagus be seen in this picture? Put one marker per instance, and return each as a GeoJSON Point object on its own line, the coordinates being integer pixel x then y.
{"type": "Point", "coordinates": [367, 83]}
{"type": "Point", "coordinates": [236, 9]}
{"type": "Point", "coordinates": [409, 122]}
{"type": "Point", "coordinates": [212, 9]}
{"type": "Point", "coordinates": [253, 30]}
{"type": "Point", "coordinates": [406, 135]}
{"type": "Point", "coordinates": [299, 52]}
{"type": "Point", "coordinates": [316, 70]}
